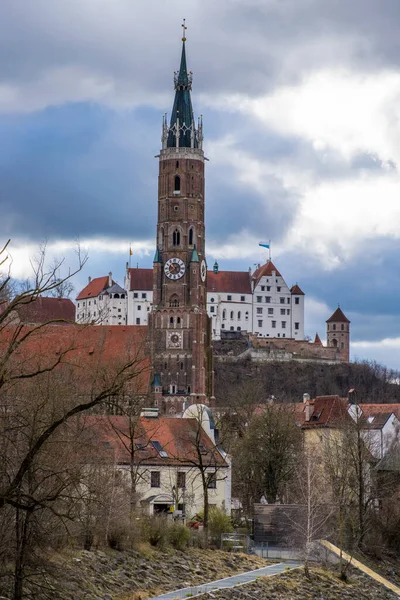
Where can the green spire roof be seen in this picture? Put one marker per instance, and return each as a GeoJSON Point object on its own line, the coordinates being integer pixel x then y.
{"type": "Point", "coordinates": [195, 256]}
{"type": "Point", "coordinates": [156, 381]}
{"type": "Point", "coordinates": [182, 108]}
{"type": "Point", "coordinates": [157, 257]}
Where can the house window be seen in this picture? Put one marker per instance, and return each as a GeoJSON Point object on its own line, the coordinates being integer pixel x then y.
{"type": "Point", "coordinates": [260, 323]}
{"type": "Point", "coordinates": [212, 481]}
{"type": "Point", "coordinates": [283, 324]}
{"type": "Point", "coordinates": [278, 289]}
{"type": "Point", "coordinates": [297, 300]}
{"type": "Point", "coordinates": [259, 298]}
{"type": "Point", "coordinates": [242, 298]}
{"type": "Point", "coordinates": [239, 328]}
{"type": "Point", "coordinates": [139, 307]}
{"type": "Point", "coordinates": [297, 325]}
{"type": "Point", "coordinates": [282, 300]}
{"type": "Point", "coordinates": [138, 321]}
{"type": "Point", "coordinates": [288, 300]}
{"type": "Point", "coordinates": [135, 295]}
{"type": "Point", "coordinates": [224, 314]}
{"type": "Point", "coordinates": [263, 288]}
{"type": "Point", "coordinates": [157, 446]}
{"type": "Point", "coordinates": [229, 297]}
{"type": "Point", "coordinates": [342, 327]}
{"type": "Point", "coordinates": [268, 288]}
{"type": "Point", "coordinates": [239, 315]}
{"type": "Point", "coordinates": [222, 326]}
{"type": "Point", "coordinates": [273, 324]}
{"type": "Point", "coordinates": [288, 311]}
{"type": "Point", "coordinates": [232, 328]}
{"type": "Point", "coordinates": [232, 316]}
{"type": "Point", "coordinates": [259, 311]}
{"type": "Point", "coordinates": [144, 295]}
{"type": "Point", "coordinates": [283, 311]}
{"type": "Point", "coordinates": [268, 299]}
{"type": "Point", "coordinates": [212, 309]}
{"type": "Point", "coordinates": [181, 479]}
{"type": "Point", "coordinates": [270, 311]}
{"type": "Point", "coordinates": [119, 310]}
{"type": "Point", "coordinates": [155, 479]}
{"type": "Point", "coordinates": [334, 327]}
{"type": "Point", "coordinates": [78, 304]}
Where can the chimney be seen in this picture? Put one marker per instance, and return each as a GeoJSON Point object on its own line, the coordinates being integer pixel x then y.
{"type": "Point", "coordinates": [89, 279]}
{"type": "Point", "coordinates": [306, 398]}
{"type": "Point", "coordinates": [110, 279]}
{"type": "Point", "coordinates": [309, 410]}
{"type": "Point", "coordinates": [150, 413]}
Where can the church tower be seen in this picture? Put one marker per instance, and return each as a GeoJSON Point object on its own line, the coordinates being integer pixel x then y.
{"type": "Point", "coordinates": [338, 333]}
{"type": "Point", "coordinates": [179, 328]}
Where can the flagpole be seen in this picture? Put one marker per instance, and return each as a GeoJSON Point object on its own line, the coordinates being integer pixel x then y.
{"type": "Point", "coordinates": [130, 255]}
{"type": "Point", "coordinates": [269, 249]}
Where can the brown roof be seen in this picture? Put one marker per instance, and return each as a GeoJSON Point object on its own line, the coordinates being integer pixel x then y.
{"type": "Point", "coordinates": [329, 411]}
{"type": "Point", "coordinates": [176, 436]}
{"type": "Point", "coordinates": [338, 317]}
{"type": "Point", "coordinates": [229, 281]}
{"type": "Point", "coordinates": [141, 279]}
{"type": "Point", "coordinates": [295, 289]}
{"type": "Point", "coordinates": [43, 310]}
{"type": "Point", "coordinates": [317, 340]}
{"type": "Point", "coordinates": [266, 270]}
{"type": "Point", "coordinates": [375, 409]}
{"type": "Point", "coordinates": [94, 288]}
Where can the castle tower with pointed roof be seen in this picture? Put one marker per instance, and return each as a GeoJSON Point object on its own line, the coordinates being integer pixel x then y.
{"type": "Point", "coordinates": [179, 328]}
{"type": "Point", "coordinates": [338, 333]}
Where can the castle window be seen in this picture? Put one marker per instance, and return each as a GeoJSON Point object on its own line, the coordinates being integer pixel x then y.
{"type": "Point", "coordinates": [268, 288]}
{"type": "Point", "coordinates": [222, 326]}
{"type": "Point", "coordinates": [188, 389]}
{"type": "Point", "coordinates": [232, 328]}
{"type": "Point", "coordinates": [270, 311]}
{"type": "Point", "coordinates": [288, 300]}
{"type": "Point", "coordinates": [224, 314]}
{"type": "Point", "coordinates": [297, 325]}
{"type": "Point", "coordinates": [263, 288]}
{"type": "Point", "coordinates": [334, 327]}
{"type": "Point", "coordinates": [177, 184]}
{"type": "Point", "coordinates": [273, 323]}
{"type": "Point", "coordinates": [242, 298]}
{"type": "Point", "coordinates": [288, 311]}
{"type": "Point", "coordinates": [165, 366]}
{"type": "Point", "coordinates": [268, 299]}
{"type": "Point", "coordinates": [283, 311]}
{"type": "Point", "coordinates": [259, 298]}
{"type": "Point", "coordinates": [259, 311]}
{"type": "Point", "coordinates": [278, 289]}
{"type": "Point", "coordinates": [239, 315]}
{"type": "Point", "coordinates": [231, 315]}
{"type": "Point", "coordinates": [239, 328]}
{"type": "Point", "coordinates": [177, 164]}
{"type": "Point", "coordinates": [342, 327]}
{"type": "Point", "coordinates": [139, 307]}
{"type": "Point", "coordinates": [297, 300]}
{"type": "Point", "coordinates": [174, 301]}
{"type": "Point", "coordinates": [116, 295]}
{"type": "Point", "coordinates": [123, 296]}
{"type": "Point", "coordinates": [283, 324]}
{"type": "Point", "coordinates": [260, 323]}
{"type": "Point", "coordinates": [176, 238]}
{"type": "Point", "coordinates": [282, 300]}
{"type": "Point", "coordinates": [191, 236]}
{"type": "Point", "coordinates": [138, 321]}
{"type": "Point", "coordinates": [135, 295]}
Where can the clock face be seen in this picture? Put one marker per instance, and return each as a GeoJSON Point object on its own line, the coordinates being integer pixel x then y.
{"type": "Point", "coordinates": [174, 340]}
{"type": "Point", "coordinates": [203, 270]}
{"type": "Point", "coordinates": [174, 268]}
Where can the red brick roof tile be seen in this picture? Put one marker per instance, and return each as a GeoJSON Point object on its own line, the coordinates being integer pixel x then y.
{"type": "Point", "coordinates": [141, 279]}
{"type": "Point", "coordinates": [338, 317]}
{"type": "Point", "coordinates": [295, 289]}
{"type": "Point", "coordinates": [43, 309]}
{"type": "Point", "coordinates": [229, 281]}
{"type": "Point", "coordinates": [265, 270]}
{"type": "Point", "coordinates": [375, 409]}
{"type": "Point", "coordinates": [317, 340]}
{"type": "Point", "coordinates": [94, 288]}
{"type": "Point", "coordinates": [329, 411]}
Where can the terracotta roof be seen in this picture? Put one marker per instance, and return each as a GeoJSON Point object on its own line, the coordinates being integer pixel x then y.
{"type": "Point", "coordinates": [338, 317]}
{"type": "Point", "coordinates": [375, 409]}
{"type": "Point", "coordinates": [89, 351]}
{"type": "Point", "coordinates": [237, 282]}
{"type": "Point", "coordinates": [317, 340]}
{"type": "Point", "coordinates": [265, 270]}
{"type": "Point", "coordinates": [329, 411]}
{"type": "Point", "coordinates": [44, 309]}
{"type": "Point", "coordinates": [176, 438]}
{"type": "Point", "coordinates": [94, 288]}
{"type": "Point", "coordinates": [295, 289]}
{"type": "Point", "coordinates": [141, 279]}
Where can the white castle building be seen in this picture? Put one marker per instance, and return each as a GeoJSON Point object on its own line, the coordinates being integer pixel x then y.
{"type": "Point", "coordinates": [260, 303]}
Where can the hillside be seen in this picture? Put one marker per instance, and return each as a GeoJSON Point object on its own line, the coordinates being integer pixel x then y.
{"type": "Point", "coordinates": [287, 381]}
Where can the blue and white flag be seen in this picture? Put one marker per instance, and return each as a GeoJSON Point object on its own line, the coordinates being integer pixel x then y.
{"type": "Point", "coordinates": [263, 245]}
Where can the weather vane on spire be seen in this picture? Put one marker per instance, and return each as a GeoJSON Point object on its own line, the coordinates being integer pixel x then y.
{"type": "Point", "coordinates": [184, 30]}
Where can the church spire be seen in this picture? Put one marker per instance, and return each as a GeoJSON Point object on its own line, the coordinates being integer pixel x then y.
{"type": "Point", "coordinates": [182, 132]}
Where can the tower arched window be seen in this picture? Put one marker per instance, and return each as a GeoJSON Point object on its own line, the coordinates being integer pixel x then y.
{"type": "Point", "coordinates": [174, 301]}
{"type": "Point", "coordinates": [224, 314]}
{"type": "Point", "coordinates": [178, 320]}
{"type": "Point", "coordinates": [176, 238]}
{"type": "Point", "coordinates": [191, 236]}
{"type": "Point", "coordinates": [239, 315]}
{"type": "Point", "coordinates": [231, 315]}
{"type": "Point", "coordinates": [177, 184]}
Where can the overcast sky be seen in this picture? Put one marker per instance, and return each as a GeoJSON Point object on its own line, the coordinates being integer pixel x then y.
{"type": "Point", "coordinates": [301, 108]}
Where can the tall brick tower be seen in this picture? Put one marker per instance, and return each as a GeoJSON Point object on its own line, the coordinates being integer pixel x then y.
{"type": "Point", "coordinates": [179, 328]}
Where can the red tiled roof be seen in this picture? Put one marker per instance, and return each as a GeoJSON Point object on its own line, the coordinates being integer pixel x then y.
{"type": "Point", "coordinates": [317, 340]}
{"type": "Point", "coordinates": [141, 279]}
{"type": "Point", "coordinates": [375, 409]}
{"type": "Point", "coordinates": [89, 351]}
{"type": "Point", "coordinates": [43, 309]}
{"type": "Point", "coordinates": [265, 270]}
{"type": "Point", "coordinates": [295, 289]}
{"type": "Point", "coordinates": [338, 317]}
{"type": "Point", "coordinates": [329, 411]}
{"type": "Point", "coordinates": [94, 288]}
{"type": "Point", "coordinates": [177, 437]}
{"type": "Point", "coordinates": [229, 281]}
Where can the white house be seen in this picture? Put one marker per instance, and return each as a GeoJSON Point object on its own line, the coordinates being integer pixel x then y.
{"type": "Point", "coordinates": [380, 427]}
{"type": "Point", "coordinates": [259, 303]}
